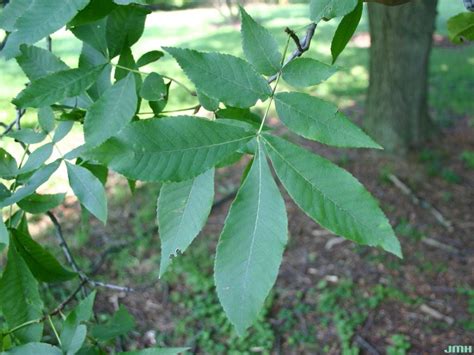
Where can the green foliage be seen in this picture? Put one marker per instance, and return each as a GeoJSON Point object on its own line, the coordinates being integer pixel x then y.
{"type": "Point", "coordinates": [183, 208]}
{"type": "Point", "coordinates": [319, 120]}
{"type": "Point", "coordinates": [260, 47]}
{"type": "Point", "coordinates": [111, 112]}
{"type": "Point", "coordinates": [105, 96]}
{"type": "Point", "coordinates": [303, 72]}
{"type": "Point", "coordinates": [180, 148]}
{"type": "Point", "coordinates": [400, 345]}
{"type": "Point", "coordinates": [229, 79]}
{"type": "Point", "coordinates": [20, 299]}
{"type": "Point", "coordinates": [461, 27]}
{"type": "Point", "coordinates": [345, 31]}
{"type": "Point", "coordinates": [328, 9]}
{"type": "Point", "coordinates": [89, 190]}
{"type": "Point", "coordinates": [246, 268]}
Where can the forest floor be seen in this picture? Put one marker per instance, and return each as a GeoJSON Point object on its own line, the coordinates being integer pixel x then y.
{"type": "Point", "coordinates": [331, 296]}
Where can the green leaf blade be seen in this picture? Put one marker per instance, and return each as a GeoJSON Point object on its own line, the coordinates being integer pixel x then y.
{"type": "Point", "coordinates": [37, 204]}
{"type": "Point", "coordinates": [345, 31]}
{"type": "Point", "coordinates": [229, 79]}
{"type": "Point", "coordinates": [20, 299]}
{"type": "Point", "coordinates": [183, 208]}
{"type": "Point", "coordinates": [111, 112]}
{"type": "Point", "coordinates": [39, 20]}
{"type": "Point", "coordinates": [251, 245]}
{"type": "Point", "coordinates": [260, 47]}
{"type": "Point", "coordinates": [319, 120]}
{"type": "Point", "coordinates": [331, 196]}
{"type": "Point", "coordinates": [328, 9]}
{"type": "Point", "coordinates": [89, 190]}
{"type": "Point", "coordinates": [58, 86]}
{"type": "Point", "coordinates": [303, 72]}
{"type": "Point", "coordinates": [43, 265]}
{"type": "Point", "coordinates": [169, 149]}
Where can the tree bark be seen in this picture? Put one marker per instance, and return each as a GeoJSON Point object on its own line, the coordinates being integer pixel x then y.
{"type": "Point", "coordinates": [397, 103]}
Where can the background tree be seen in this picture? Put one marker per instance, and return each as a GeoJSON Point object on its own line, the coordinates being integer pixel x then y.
{"type": "Point", "coordinates": [397, 106]}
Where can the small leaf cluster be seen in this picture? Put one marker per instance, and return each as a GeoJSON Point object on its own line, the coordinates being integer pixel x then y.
{"type": "Point", "coordinates": [104, 97]}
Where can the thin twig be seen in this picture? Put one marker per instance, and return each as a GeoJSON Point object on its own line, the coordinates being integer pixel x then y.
{"type": "Point", "coordinates": [420, 202]}
{"type": "Point", "coordinates": [366, 345]}
{"type": "Point", "coordinates": [72, 262]}
{"type": "Point", "coordinates": [303, 47]}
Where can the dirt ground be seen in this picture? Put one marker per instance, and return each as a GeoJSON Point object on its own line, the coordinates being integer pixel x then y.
{"type": "Point", "coordinates": [420, 297]}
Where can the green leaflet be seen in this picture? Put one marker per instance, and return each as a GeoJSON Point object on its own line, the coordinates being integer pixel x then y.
{"type": "Point", "coordinates": [111, 112]}
{"type": "Point", "coordinates": [319, 120]}
{"type": "Point", "coordinates": [149, 57]}
{"type": "Point", "coordinates": [89, 190]}
{"type": "Point", "coordinates": [95, 10]}
{"type": "Point", "coordinates": [90, 58]}
{"type": "Point", "coordinates": [43, 265]}
{"type": "Point", "coordinates": [35, 348]}
{"type": "Point", "coordinates": [12, 12]}
{"type": "Point", "coordinates": [46, 119]}
{"type": "Point", "coordinates": [4, 235]}
{"type": "Point", "coordinates": [58, 86]}
{"type": "Point", "coordinates": [303, 72]}
{"type": "Point", "coordinates": [74, 333]}
{"type": "Point", "coordinates": [183, 208]}
{"type": "Point", "coordinates": [461, 27]}
{"type": "Point", "coordinates": [169, 149]}
{"type": "Point", "coordinates": [331, 196]}
{"type": "Point", "coordinates": [8, 166]}
{"type": "Point", "coordinates": [125, 26]}
{"type": "Point", "coordinates": [38, 62]}
{"type": "Point", "coordinates": [327, 9]}
{"type": "Point", "coordinates": [27, 136]}
{"type": "Point", "coordinates": [251, 245]}
{"type": "Point", "coordinates": [93, 34]}
{"type": "Point", "coordinates": [229, 79]}
{"type": "Point", "coordinates": [260, 47]}
{"type": "Point", "coordinates": [37, 158]}
{"type": "Point", "coordinates": [39, 20]}
{"type": "Point", "coordinates": [36, 180]}
{"type": "Point", "coordinates": [19, 298]}
{"type": "Point", "coordinates": [345, 30]}
{"type": "Point", "coordinates": [120, 324]}
{"type": "Point", "coordinates": [154, 88]}
{"type": "Point", "coordinates": [209, 103]}
{"type": "Point", "coordinates": [37, 204]}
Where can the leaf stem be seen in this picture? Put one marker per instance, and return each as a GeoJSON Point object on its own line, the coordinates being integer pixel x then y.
{"type": "Point", "coordinates": [275, 87]}
{"type": "Point", "coordinates": [54, 330]}
{"type": "Point", "coordinates": [171, 111]}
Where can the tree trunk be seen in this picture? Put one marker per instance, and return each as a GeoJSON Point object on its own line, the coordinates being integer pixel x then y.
{"type": "Point", "coordinates": [397, 104]}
